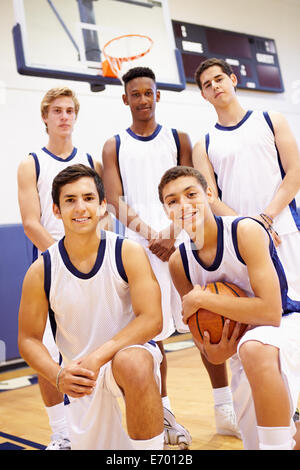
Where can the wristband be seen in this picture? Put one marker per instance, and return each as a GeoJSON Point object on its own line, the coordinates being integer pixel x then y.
{"type": "Point", "coordinates": [57, 378]}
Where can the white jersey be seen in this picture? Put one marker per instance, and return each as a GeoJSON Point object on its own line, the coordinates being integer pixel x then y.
{"type": "Point", "coordinates": [142, 162]}
{"type": "Point", "coordinates": [248, 168]}
{"type": "Point", "coordinates": [86, 310]}
{"type": "Point", "coordinates": [47, 166]}
{"type": "Point", "coordinates": [228, 265]}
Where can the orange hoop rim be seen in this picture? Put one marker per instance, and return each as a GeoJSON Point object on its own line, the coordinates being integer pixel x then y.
{"type": "Point", "coordinates": [127, 58]}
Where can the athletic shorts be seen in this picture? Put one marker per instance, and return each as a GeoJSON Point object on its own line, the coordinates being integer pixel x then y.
{"type": "Point", "coordinates": [286, 339]}
{"type": "Point", "coordinates": [95, 421]}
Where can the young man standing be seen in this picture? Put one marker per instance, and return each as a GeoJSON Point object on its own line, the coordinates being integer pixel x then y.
{"type": "Point", "coordinates": [105, 308]}
{"type": "Point", "coordinates": [133, 162]}
{"type": "Point", "coordinates": [251, 160]}
{"type": "Point", "coordinates": [59, 110]}
{"type": "Point", "coordinates": [265, 362]}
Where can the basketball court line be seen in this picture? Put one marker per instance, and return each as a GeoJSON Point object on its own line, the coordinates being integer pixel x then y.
{"type": "Point", "coordinates": [16, 441]}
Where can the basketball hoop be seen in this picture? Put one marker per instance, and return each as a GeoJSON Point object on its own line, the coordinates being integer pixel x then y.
{"type": "Point", "coordinates": [121, 49]}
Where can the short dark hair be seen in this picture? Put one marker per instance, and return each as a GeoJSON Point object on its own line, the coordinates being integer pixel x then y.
{"type": "Point", "coordinates": [137, 72]}
{"type": "Point", "coordinates": [177, 172]}
{"type": "Point", "coordinates": [206, 64]}
{"type": "Point", "coordinates": [73, 173]}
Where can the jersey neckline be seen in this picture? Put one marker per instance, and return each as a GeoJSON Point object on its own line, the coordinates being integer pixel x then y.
{"type": "Point", "coordinates": [70, 157]}
{"type": "Point", "coordinates": [220, 248]}
{"type": "Point", "coordinates": [232, 128]}
{"type": "Point", "coordinates": [98, 263]}
{"type": "Point", "coordinates": [146, 138]}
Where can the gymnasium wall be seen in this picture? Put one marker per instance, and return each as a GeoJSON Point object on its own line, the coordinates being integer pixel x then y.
{"type": "Point", "coordinates": [103, 114]}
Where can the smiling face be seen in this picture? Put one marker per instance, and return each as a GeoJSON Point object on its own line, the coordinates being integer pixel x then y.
{"type": "Point", "coordinates": [79, 206]}
{"type": "Point", "coordinates": [217, 87]}
{"type": "Point", "coordinates": [186, 204]}
{"type": "Point", "coordinates": [141, 96]}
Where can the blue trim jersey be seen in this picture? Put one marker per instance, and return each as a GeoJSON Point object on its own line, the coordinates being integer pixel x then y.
{"type": "Point", "coordinates": [248, 168]}
{"type": "Point", "coordinates": [47, 166]}
{"type": "Point", "coordinates": [229, 266]}
{"type": "Point", "coordinates": [142, 162]}
{"type": "Point", "coordinates": [87, 309]}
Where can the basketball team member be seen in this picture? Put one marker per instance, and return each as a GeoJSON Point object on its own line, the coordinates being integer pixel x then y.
{"type": "Point", "coordinates": [251, 159]}
{"type": "Point", "coordinates": [59, 110]}
{"type": "Point", "coordinates": [105, 303]}
{"type": "Point", "coordinates": [133, 162]}
{"type": "Point", "coordinates": [265, 370]}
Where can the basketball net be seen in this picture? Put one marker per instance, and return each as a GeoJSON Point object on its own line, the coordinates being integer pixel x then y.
{"type": "Point", "coordinates": [124, 50]}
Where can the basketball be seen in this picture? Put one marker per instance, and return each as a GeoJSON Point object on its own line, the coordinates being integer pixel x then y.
{"type": "Point", "coordinates": [204, 320]}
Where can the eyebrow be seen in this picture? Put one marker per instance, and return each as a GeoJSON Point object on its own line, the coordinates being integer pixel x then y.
{"type": "Point", "coordinates": [185, 189]}
{"type": "Point", "coordinates": [76, 195]}
{"type": "Point", "coordinates": [216, 76]}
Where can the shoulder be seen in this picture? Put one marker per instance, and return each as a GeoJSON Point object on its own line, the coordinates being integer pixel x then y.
{"type": "Point", "coordinates": [109, 147]}
{"type": "Point", "coordinates": [27, 168]}
{"type": "Point", "coordinates": [34, 277]}
{"type": "Point", "coordinates": [277, 119]}
{"type": "Point", "coordinates": [251, 235]}
{"type": "Point", "coordinates": [175, 261]}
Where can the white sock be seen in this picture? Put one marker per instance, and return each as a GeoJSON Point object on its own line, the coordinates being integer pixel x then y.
{"type": "Point", "coordinates": [155, 443]}
{"type": "Point", "coordinates": [278, 438]}
{"type": "Point", "coordinates": [57, 420]}
{"type": "Point", "coordinates": [166, 403]}
{"type": "Point", "coordinates": [222, 395]}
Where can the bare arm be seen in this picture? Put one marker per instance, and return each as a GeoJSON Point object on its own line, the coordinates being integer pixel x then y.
{"type": "Point", "coordinates": [29, 204]}
{"type": "Point", "coordinates": [146, 302]}
{"type": "Point", "coordinates": [114, 192]}
{"type": "Point", "coordinates": [185, 157]}
{"type": "Point", "coordinates": [32, 320]}
{"type": "Point", "coordinates": [201, 163]}
{"type": "Point", "coordinates": [265, 307]}
{"type": "Point", "coordinates": [290, 159]}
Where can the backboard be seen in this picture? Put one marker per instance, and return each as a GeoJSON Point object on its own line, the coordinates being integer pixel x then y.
{"type": "Point", "coordinates": [66, 39]}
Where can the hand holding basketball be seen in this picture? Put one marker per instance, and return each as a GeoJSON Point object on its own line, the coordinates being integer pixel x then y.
{"type": "Point", "coordinates": [204, 320]}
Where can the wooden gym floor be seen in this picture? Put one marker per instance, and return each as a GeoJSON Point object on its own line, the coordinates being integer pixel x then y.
{"type": "Point", "coordinates": [24, 423]}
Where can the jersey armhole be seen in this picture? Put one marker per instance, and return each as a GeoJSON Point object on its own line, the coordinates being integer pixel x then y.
{"type": "Point", "coordinates": [37, 165]}
{"type": "Point", "coordinates": [184, 260]}
{"type": "Point", "coordinates": [90, 160]}
{"type": "Point", "coordinates": [119, 261]}
{"type": "Point", "coordinates": [177, 142]}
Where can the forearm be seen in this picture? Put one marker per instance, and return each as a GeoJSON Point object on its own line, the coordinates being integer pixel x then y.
{"type": "Point", "coordinates": [248, 310]}
{"type": "Point", "coordinates": [220, 208]}
{"type": "Point", "coordinates": [285, 193]}
{"type": "Point", "coordinates": [139, 331]}
{"type": "Point", "coordinates": [38, 235]}
{"type": "Point", "coordinates": [129, 217]}
{"type": "Point", "coordinates": [37, 356]}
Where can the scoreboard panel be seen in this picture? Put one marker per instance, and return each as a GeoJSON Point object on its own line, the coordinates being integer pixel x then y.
{"type": "Point", "coordinates": [253, 59]}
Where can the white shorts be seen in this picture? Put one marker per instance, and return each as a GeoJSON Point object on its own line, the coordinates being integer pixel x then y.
{"type": "Point", "coordinates": [289, 255]}
{"type": "Point", "coordinates": [48, 341]}
{"type": "Point", "coordinates": [95, 421]}
{"type": "Point", "coordinates": [286, 339]}
{"type": "Point", "coordinates": [171, 302]}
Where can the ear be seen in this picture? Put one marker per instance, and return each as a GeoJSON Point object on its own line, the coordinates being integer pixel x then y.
{"type": "Point", "coordinates": [157, 96]}
{"type": "Point", "coordinates": [211, 197]}
{"type": "Point", "coordinates": [125, 100]}
{"type": "Point", "coordinates": [56, 211]}
{"type": "Point", "coordinates": [102, 208]}
{"type": "Point", "coordinates": [234, 79]}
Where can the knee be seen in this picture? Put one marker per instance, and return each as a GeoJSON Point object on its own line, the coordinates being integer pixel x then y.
{"type": "Point", "coordinates": [258, 358]}
{"type": "Point", "coordinates": [133, 367]}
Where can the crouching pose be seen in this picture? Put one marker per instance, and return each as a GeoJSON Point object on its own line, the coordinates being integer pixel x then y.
{"type": "Point", "coordinates": [105, 307]}
{"type": "Point", "coordinates": [265, 362]}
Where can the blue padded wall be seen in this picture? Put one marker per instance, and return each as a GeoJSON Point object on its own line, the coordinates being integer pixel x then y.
{"type": "Point", "coordinates": [15, 258]}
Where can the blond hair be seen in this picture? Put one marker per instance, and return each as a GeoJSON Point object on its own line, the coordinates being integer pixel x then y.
{"type": "Point", "coordinates": [54, 93]}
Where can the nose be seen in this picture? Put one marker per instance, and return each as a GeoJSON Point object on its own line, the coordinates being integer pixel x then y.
{"type": "Point", "coordinates": [80, 205]}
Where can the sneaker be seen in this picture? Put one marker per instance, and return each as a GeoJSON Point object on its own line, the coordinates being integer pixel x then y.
{"type": "Point", "coordinates": [174, 433]}
{"type": "Point", "coordinates": [226, 421]}
{"type": "Point", "coordinates": [59, 443]}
